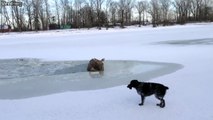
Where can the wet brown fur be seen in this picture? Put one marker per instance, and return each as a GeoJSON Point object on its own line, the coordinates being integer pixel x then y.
{"type": "Point", "coordinates": [95, 65]}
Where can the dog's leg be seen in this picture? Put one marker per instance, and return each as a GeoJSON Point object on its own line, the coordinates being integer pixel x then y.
{"type": "Point", "coordinates": [142, 100]}
{"type": "Point", "coordinates": [162, 101]}
{"type": "Point", "coordinates": [162, 104]}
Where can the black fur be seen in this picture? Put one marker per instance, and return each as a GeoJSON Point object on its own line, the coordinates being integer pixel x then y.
{"type": "Point", "coordinates": [146, 89]}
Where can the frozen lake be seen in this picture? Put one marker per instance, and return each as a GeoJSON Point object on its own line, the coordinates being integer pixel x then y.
{"type": "Point", "coordinates": [24, 78]}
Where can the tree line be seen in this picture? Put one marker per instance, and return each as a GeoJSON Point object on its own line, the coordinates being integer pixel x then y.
{"type": "Point", "coordinates": [55, 14]}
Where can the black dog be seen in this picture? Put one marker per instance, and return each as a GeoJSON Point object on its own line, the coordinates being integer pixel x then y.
{"type": "Point", "coordinates": [146, 89]}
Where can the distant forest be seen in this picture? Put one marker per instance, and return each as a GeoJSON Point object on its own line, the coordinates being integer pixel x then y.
{"type": "Point", "coordinates": [59, 14]}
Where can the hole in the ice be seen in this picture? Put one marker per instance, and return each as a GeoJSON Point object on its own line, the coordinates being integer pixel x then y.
{"type": "Point", "coordinates": [74, 69]}
{"type": "Point", "coordinates": [24, 78]}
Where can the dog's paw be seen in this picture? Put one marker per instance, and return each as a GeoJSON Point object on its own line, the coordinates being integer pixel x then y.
{"type": "Point", "coordinates": [140, 104]}
{"type": "Point", "coordinates": [161, 105]}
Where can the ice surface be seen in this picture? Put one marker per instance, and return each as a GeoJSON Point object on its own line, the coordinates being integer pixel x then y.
{"type": "Point", "coordinates": [24, 78]}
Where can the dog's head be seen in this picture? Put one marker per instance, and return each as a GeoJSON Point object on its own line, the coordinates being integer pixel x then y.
{"type": "Point", "coordinates": [133, 84]}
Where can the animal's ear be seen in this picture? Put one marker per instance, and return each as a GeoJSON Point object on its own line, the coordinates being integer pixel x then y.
{"type": "Point", "coordinates": [134, 81]}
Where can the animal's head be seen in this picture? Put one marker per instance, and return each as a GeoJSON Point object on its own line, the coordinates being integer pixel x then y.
{"type": "Point", "coordinates": [96, 65]}
{"type": "Point", "coordinates": [133, 84]}
{"type": "Point", "coordinates": [103, 59]}
{"type": "Point", "coordinates": [100, 65]}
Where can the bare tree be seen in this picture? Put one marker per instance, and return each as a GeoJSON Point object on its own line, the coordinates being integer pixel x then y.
{"type": "Point", "coordinates": [140, 10]}
{"type": "Point", "coordinates": [70, 13]}
{"type": "Point", "coordinates": [42, 15]}
{"type": "Point", "coordinates": [210, 17]}
{"type": "Point", "coordinates": [43, 12]}
{"type": "Point", "coordinates": [89, 13]}
{"type": "Point", "coordinates": [47, 14]}
{"type": "Point", "coordinates": [195, 9]}
{"type": "Point", "coordinates": [125, 11]}
{"type": "Point", "coordinates": [22, 24]}
{"type": "Point", "coordinates": [29, 11]}
{"type": "Point", "coordinates": [86, 16]}
{"type": "Point", "coordinates": [128, 12]}
{"type": "Point", "coordinates": [182, 10]}
{"type": "Point", "coordinates": [36, 14]}
{"type": "Point", "coordinates": [57, 11]}
{"type": "Point", "coordinates": [15, 16]}
{"type": "Point", "coordinates": [98, 6]}
{"type": "Point", "coordinates": [154, 11]}
{"type": "Point", "coordinates": [64, 4]}
{"type": "Point", "coordinates": [18, 18]}
{"type": "Point", "coordinates": [206, 9]}
{"type": "Point", "coordinates": [122, 6]}
{"type": "Point", "coordinates": [107, 7]}
{"type": "Point", "coordinates": [113, 9]}
{"type": "Point", "coordinates": [141, 7]}
{"type": "Point", "coordinates": [78, 19]}
{"type": "Point", "coordinates": [5, 16]}
{"type": "Point", "coordinates": [165, 4]}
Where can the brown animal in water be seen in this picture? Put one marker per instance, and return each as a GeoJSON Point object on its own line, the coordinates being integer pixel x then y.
{"type": "Point", "coordinates": [95, 65]}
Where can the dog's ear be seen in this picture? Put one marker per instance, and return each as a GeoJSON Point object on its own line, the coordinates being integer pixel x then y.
{"type": "Point", "coordinates": [134, 82]}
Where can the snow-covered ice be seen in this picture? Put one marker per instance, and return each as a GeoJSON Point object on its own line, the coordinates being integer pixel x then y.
{"type": "Point", "coordinates": [189, 95]}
